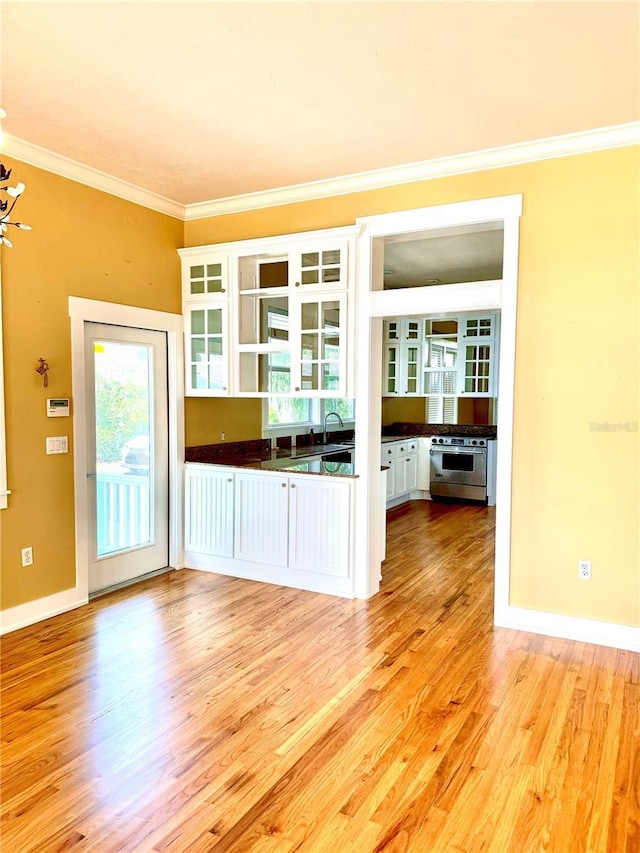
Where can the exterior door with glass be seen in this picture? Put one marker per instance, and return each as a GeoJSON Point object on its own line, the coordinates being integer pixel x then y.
{"type": "Point", "coordinates": [127, 447]}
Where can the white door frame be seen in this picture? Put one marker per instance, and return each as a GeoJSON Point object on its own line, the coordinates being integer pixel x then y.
{"type": "Point", "coordinates": [373, 305]}
{"type": "Point", "coordinates": [89, 310]}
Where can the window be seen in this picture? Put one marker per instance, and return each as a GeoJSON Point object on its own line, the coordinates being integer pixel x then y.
{"type": "Point", "coordinates": [297, 415]}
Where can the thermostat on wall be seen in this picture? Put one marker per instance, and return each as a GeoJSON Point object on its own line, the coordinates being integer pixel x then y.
{"type": "Point", "coordinates": [58, 407]}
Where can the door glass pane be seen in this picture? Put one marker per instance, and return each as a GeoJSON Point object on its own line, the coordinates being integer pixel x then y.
{"type": "Point", "coordinates": [124, 445]}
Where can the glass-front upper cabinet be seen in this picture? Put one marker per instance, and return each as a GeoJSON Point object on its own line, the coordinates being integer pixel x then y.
{"type": "Point", "coordinates": [321, 267]}
{"type": "Point", "coordinates": [206, 351]}
{"type": "Point", "coordinates": [477, 364]}
{"type": "Point", "coordinates": [206, 277]}
{"type": "Point", "coordinates": [319, 346]}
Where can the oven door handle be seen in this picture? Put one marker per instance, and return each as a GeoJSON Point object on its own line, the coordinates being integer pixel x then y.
{"type": "Point", "coordinates": [460, 451]}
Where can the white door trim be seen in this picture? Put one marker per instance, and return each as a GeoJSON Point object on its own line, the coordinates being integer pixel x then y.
{"type": "Point", "coordinates": [89, 310]}
{"type": "Point", "coordinates": [374, 304]}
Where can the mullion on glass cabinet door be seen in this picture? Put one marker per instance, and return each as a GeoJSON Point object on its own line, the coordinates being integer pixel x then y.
{"type": "Point", "coordinates": [205, 278]}
{"type": "Point", "coordinates": [322, 267]}
{"type": "Point", "coordinates": [206, 351]}
{"type": "Point", "coordinates": [320, 346]}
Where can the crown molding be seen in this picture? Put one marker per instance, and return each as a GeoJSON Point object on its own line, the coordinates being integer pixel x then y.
{"type": "Point", "coordinates": [587, 141]}
{"type": "Point", "coordinates": [66, 168]}
{"type": "Point", "coordinates": [584, 142]}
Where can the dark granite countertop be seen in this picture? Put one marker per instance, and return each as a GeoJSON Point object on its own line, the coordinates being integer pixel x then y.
{"type": "Point", "coordinates": [258, 455]}
{"type": "Point", "coordinates": [400, 430]}
{"type": "Point", "coordinates": [307, 458]}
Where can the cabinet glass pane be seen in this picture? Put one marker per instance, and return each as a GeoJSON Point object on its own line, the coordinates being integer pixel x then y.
{"type": "Point", "coordinates": [330, 275]}
{"type": "Point", "coordinates": [215, 347]}
{"type": "Point", "coordinates": [264, 372]}
{"type": "Point", "coordinates": [330, 377]}
{"type": "Point", "coordinates": [274, 320]}
{"type": "Point", "coordinates": [330, 347]}
{"type": "Point", "coordinates": [309, 347]}
{"type": "Point", "coordinates": [330, 315]}
{"type": "Point", "coordinates": [197, 322]}
{"type": "Point", "coordinates": [309, 371]}
{"type": "Point", "coordinates": [197, 287]}
{"type": "Point", "coordinates": [197, 349]}
{"type": "Point", "coordinates": [309, 319]}
{"type": "Point", "coordinates": [310, 276]}
{"type": "Point", "coordinates": [310, 259]}
{"type": "Point", "coordinates": [214, 321]}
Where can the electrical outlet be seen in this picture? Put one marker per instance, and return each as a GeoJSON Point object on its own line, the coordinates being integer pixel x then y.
{"type": "Point", "coordinates": [27, 556]}
{"type": "Point", "coordinates": [584, 570]}
{"type": "Point", "coordinates": [223, 435]}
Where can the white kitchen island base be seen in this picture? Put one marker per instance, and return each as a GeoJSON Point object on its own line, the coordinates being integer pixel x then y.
{"type": "Point", "coordinates": [270, 526]}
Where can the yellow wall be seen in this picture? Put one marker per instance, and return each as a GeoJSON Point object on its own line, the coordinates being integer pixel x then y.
{"type": "Point", "coordinates": [83, 243]}
{"type": "Point", "coordinates": [206, 419]}
{"type": "Point", "coordinates": [403, 409]}
{"type": "Point", "coordinates": [575, 489]}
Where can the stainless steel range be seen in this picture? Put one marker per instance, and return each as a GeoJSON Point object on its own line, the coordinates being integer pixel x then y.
{"type": "Point", "coordinates": [462, 467]}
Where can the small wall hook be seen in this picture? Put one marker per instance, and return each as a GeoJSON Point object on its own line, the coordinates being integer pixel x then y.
{"type": "Point", "coordinates": [43, 369]}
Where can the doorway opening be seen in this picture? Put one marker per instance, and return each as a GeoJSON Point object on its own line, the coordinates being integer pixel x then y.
{"type": "Point", "coordinates": [483, 295]}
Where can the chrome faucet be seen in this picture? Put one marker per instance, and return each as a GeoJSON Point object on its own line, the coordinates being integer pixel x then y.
{"type": "Point", "coordinates": [326, 417]}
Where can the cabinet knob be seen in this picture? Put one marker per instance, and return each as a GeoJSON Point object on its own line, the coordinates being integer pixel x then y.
{"type": "Point", "coordinates": [407, 460]}
{"type": "Point", "coordinates": [229, 480]}
{"type": "Point", "coordinates": [296, 389]}
{"type": "Point", "coordinates": [223, 290]}
{"type": "Point", "coordinates": [284, 485]}
{"type": "Point", "coordinates": [293, 485]}
{"type": "Point", "coordinates": [297, 284]}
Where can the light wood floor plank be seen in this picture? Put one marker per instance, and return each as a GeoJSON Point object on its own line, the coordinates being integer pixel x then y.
{"type": "Point", "coordinates": [194, 713]}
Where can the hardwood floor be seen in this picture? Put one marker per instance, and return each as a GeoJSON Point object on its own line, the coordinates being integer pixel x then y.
{"type": "Point", "coordinates": [194, 713]}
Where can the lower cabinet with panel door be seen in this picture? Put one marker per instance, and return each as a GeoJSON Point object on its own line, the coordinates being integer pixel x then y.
{"type": "Point", "coordinates": [278, 528]}
{"type": "Point", "coordinates": [401, 457]}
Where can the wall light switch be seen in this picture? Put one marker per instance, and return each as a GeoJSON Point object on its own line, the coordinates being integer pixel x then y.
{"type": "Point", "coordinates": [57, 444]}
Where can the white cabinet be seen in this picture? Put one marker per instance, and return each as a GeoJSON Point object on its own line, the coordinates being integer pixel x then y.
{"type": "Point", "coordinates": [441, 358]}
{"type": "Point", "coordinates": [205, 276]}
{"type": "Point", "coordinates": [261, 518]}
{"type": "Point", "coordinates": [319, 347]}
{"type": "Point", "coordinates": [321, 265]}
{"type": "Point", "coordinates": [477, 360]}
{"type": "Point", "coordinates": [209, 510]}
{"type": "Point", "coordinates": [270, 526]}
{"type": "Point", "coordinates": [319, 525]}
{"type": "Point", "coordinates": [401, 457]}
{"type": "Point", "coordinates": [206, 350]}
{"type": "Point", "coordinates": [402, 358]}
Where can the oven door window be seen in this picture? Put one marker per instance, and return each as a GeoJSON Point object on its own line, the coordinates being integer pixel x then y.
{"type": "Point", "coordinates": [458, 461]}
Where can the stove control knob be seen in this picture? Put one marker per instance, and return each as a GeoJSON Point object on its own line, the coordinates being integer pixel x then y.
{"type": "Point", "coordinates": [481, 443]}
{"type": "Point", "coordinates": [475, 442]}
{"type": "Point", "coordinates": [441, 440]}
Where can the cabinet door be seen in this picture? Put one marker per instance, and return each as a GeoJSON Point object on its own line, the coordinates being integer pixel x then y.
{"type": "Point", "coordinates": [391, 478]}
{"type": "Point", "coordinates": [411, 369]}
{"type": "Point", "coordinates": [411, 472]}
{"type": "Point", "coordinates": [209, 511]}
{"type": "Point", "coordinates": [205, 278]}
{"type": "Point", "coordinates": [319, 525]}
{"type": "Point", "coordinates": [477, 366]}
{"type": "Point", "coordinates": [391, 370]}
{"type": "Point", "coordinates": [206, 356]}
{"type": "Point", "coordinates": [319, 350]}
{"type": "Point", "coordinates": [261, 514]}
{"type": "Point", "coordinates": [399, 476]}
{"type": "Point", "coordinates": [321, 266]}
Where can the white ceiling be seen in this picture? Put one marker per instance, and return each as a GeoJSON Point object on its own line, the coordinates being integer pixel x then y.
{"type": "Point", "coordinates": [206, 100]}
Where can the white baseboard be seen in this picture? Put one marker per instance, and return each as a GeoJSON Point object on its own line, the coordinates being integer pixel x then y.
{"type": "Point", "coordinates": [42, 608]}
{"type": "Point", "coordinates": [569, 627]}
